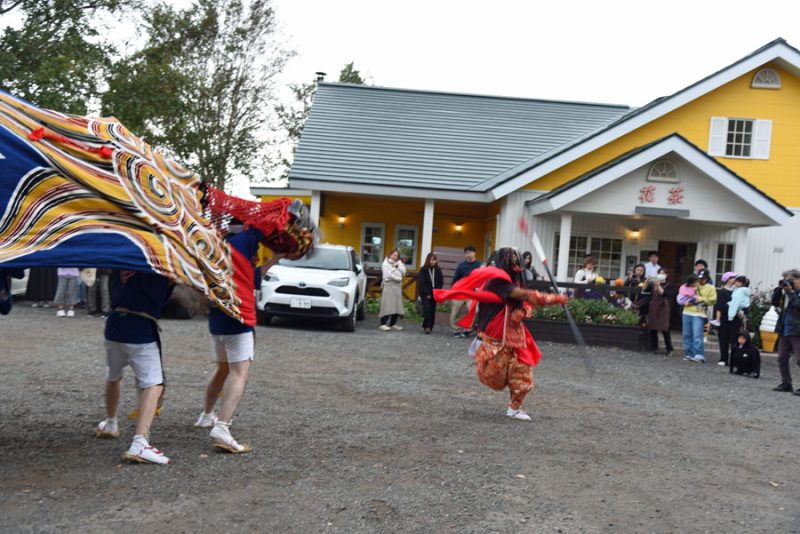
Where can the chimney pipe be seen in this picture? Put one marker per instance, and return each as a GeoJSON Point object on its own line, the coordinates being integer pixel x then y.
{"type": "Point", "coordinates": [320, 76]}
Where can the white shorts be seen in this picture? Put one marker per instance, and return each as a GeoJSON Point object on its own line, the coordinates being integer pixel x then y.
{"type": "Point", "coordinates": [144, 359]}
{"type": "Point", "coordinates": [233, 348]}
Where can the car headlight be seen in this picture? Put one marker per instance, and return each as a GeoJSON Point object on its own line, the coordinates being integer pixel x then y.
{"type": "Point", "coordinates": [269, 277]}
{"type": "Point", "coordinates": [339, 282]}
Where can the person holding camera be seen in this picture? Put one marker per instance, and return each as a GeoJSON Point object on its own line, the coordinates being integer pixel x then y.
{"type": "Point", "coordinates": [789, 329]}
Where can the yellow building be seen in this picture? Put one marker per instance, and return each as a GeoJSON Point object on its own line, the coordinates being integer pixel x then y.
{"type": "Point", "coordinates": [707, 172]}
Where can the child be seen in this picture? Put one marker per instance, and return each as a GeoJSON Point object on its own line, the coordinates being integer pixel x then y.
{"type": "Point", "coordinates": [745, 357]}
{"type": "Point", "coordinates": [67, 291]}
{"type": "Point", "coordinates": [740, 300]}
{"type": "Point", "coordinates": [687, 294]}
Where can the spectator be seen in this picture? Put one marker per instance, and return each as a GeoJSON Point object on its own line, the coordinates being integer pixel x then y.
{"type": "Point", "coordinates": [658, 316]}
{"type": "Point", "coordinates": [740, 301]}
{"type": "Point", "coordinates": [641, 297]}
{"type": "Point", "coordinates": [528, 273]}
{"type": "Point", "coordinates": [67, 291]}
{"type": "Point", "coordinates": [42, 283]}
{"type": "Point", "coordinates": [652, 267]}
{"type": "Point", "coordinates": [101, 284]}
{"type": "Point", "coordinates": [695, 315]}
{"type": "Point", "coordinates": [789, 330]}
{"type": "Point", "coordinates": [430, 278]}
{"type": "Point", "coordinates": [726, 330]}
{"type": "Point", "coordinates": [587, 273]}
{"type": "Point", "coordinates": [700, 265]}
{"type": "Point", "coordinates": [458, 306]}
{"type": "Point", "coordinates": [392, 294]}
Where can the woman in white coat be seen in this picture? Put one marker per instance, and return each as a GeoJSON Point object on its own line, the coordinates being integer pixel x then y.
{"type": "Point", "coordinates": [392, 294]}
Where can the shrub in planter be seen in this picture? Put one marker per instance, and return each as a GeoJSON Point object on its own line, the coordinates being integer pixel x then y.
{"type": "Point", "coordinates": [589, 311]}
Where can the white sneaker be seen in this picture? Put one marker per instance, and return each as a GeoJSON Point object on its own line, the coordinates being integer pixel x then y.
{"type": "Point", "coordinates": [221, 434]}
{"type": "Point", "coordinates": [519, 415]}
{"type": "Point", "coordinates": [107, 428]}
{"type": "Point", "coordinates": [722, 364]}
{"type": "Point", "coordinates": [206, 420]}
{"type": "Point", "coordinates": [384, 327]}
{"type": "Point", "coordinates": [61, 313]}
{"type": "Point", "coordinates": [699, 359]}
{"type": "Point", "coordinates": [396, 327]}
{"type": "Point", "coordinates": [70, 313]}
{"type": "Point", "coordinates": [142, 452]}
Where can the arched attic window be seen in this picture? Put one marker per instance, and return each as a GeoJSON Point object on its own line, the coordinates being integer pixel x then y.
{"type": "Point", "coordinates": [663, 170]}
{"type": "Point", "coordinates": [766, 79]}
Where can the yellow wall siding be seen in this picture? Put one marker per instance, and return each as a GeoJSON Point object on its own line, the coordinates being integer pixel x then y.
{"type": "Point", "coordinates": [392, 212]}
{"type": "Point", "coordinates": [777, 176]}
{"type": "Point", "coordinates": [268, 198]}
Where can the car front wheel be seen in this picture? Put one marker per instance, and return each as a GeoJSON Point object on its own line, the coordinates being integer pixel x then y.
{"type": "Point", "coordinates": [349, 322]}
{"type": "Point", "coordinates": [362, 312]}
{"type": "Point", "coordinates": [263, 318]}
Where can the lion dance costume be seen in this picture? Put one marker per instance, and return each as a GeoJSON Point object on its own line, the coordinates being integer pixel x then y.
{"type": "Point", "coordinates": [506, 352]}
{"type": "Point", "coordinates": [82, 191]}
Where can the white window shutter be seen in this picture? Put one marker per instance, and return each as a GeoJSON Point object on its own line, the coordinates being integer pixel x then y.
{"type": "Point", "coordinates": [762, 134]}
{"type": "Point", "coordinates": [716, 136]}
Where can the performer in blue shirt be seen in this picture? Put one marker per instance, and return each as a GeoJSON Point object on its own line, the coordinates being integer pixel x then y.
{"type": "Point", "coordinates": [233, 342]}
{"type": "Point", "coordinates": [132, 338]}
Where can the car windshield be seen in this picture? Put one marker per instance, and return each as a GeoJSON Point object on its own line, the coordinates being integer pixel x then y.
{"type": "Point", "coordinates": [322, 258]}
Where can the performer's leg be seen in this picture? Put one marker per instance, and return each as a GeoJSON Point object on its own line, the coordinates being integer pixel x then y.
{"type": "Point", "coordinates": [215, 384]}
{"type": "Point", "coordinates": [116, 359]}
{"type": "Point", "coordinates": [240, 350]}
{"type": "Point", "coordinates": [234, 389]}
{"type": "Point", "coordinates": [520, 382]}
{"type": "Point", "coordinates": [112, 398]}
{"type": "Point", "coordinates": [148, 401]}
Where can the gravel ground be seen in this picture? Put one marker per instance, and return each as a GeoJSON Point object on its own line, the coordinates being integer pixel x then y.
{"type": "Point", "coordinates": [392, 432]}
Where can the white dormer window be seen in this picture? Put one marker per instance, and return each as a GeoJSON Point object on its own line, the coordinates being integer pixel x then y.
{"type": "Point", "coordinates": [663, 171]}
{"type": "Point", "coordinates": [766, 79]}
{"type": "Point", "coordinates": [739, 138]}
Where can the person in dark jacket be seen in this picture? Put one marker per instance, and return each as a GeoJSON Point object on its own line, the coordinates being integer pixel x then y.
{"type": "Point", "coordinates": [726, 330]}
{"type": "Point", "coordinates": [745, 357]}
{"type": "Point", "coordinates": [430, 278]}
{"type": "Point", "coordinates": [789, 330]}
{"type": "Point", "coordinates": [659, 309]}
{"type": "Point", "coordinates": [459, 307]}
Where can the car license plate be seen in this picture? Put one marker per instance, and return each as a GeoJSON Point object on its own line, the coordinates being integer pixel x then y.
{"type": "Point", "coordinates": [302, 303]}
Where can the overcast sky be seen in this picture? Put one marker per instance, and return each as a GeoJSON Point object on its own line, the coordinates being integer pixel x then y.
{"type": "Point", "coordinates": [620, 52]}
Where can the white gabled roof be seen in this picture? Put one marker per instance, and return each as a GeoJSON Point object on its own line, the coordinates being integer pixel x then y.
{"type": "Point", "coordinates": [509, 181]}
{"type": "Point", "coordinates": [672, 144]}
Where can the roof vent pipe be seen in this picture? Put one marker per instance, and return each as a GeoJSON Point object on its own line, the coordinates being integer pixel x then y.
{"type": "Point", "coordinates": [320, 76]}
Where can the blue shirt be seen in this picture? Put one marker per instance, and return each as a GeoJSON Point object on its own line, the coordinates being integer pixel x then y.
{"type": "Point", "coordinates": [142, 292]}
{"type": "Point", "coordinates": [464, 269]}
{"type": "Point", "coordinates": [219, 322]}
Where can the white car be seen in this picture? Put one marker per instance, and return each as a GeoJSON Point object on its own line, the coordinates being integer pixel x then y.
{"type": "Point", "coordinates": [20, 285]}
{"type": "Point", "coordinates": [330, 283]}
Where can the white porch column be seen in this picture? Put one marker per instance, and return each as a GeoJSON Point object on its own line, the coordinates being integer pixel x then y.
{"type": "Point", "coordinates": [316, 201]}
{"type": "Point", "coordinates": [740, 251]}
{"type": "Point", "coordinates": [563, 247]}
{"type": "Point", "coordinates": [427, 230]}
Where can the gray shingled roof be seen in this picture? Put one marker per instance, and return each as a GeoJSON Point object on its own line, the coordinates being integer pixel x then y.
{"type": "Point", "coordinates": [403, 138]}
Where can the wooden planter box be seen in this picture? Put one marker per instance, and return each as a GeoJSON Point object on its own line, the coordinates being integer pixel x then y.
{"type": "Point", "coordinates": [600, 335]}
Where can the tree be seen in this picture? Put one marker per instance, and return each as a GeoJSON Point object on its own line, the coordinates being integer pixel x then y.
{"type": "Point", "coordinates": [349, 74]}
{"type": "Point", "coordinates": [57, 59]}
{"type": "Point", "coordinates": [202, 85]}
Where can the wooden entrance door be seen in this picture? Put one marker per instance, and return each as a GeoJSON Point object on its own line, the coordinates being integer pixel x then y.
{"type": "Point", "coordinates": [677, 259]}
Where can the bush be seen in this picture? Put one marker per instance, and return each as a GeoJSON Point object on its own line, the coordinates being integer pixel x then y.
{"type": "Point", "coordinates": [373, 305]}
{"type": "Point", "coordinates": [759, 305]}
{"type": "Point", "coordinates": [590, 311]}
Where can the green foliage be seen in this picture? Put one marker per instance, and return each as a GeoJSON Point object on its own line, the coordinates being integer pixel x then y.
{"type": "Point", "coordinates": [373, 305]}
{"type": "Point", "coordinates": [349, 74]}
{"type": "Point", "coordinates": [58, 58]}
{"type": "Point", "coordinates": [759, 305]}
{"type": "Point", "coordinates": [590, 311]}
